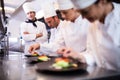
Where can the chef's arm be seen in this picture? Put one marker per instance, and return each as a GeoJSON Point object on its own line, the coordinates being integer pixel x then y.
{"type": "Point", "coordinates": [39, 35]}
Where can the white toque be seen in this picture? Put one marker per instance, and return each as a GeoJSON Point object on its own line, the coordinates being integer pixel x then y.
{"type": "Point", "coordinates": [48, 9]}
{"type": "Point", "coordinates": [27, 7]}
{"type": "Point", "coordinates": [81, 4]}
{"type": "Point", "coordinates": [65, 4]}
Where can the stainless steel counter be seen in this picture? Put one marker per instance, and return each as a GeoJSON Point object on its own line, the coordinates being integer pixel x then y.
{"type": "Point", "coordinates": [15, 67]}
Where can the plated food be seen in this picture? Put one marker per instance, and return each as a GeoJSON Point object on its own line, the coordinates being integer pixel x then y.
{"type": "Point", "coordinates": [43, 58]}
{"type": "Point", "coordinates": [63, 63]}
{"type": "Point", "coordinates": [35, 54]}
{"type": "Point", "coordinates": [37, 59]}
{"type": "Point", "coordinates": [60, 64]}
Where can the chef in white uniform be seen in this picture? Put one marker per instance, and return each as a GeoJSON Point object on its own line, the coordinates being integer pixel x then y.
{"type": "Point", "coordinates": [52, 20]}
{"type": "Point", "coordinates": [77, 37]}
{"type": "Point", "coordinates": [32, 31]}
{"type": "Point", "coordinates": [71, 34]}
{"type": "Point", "coordinates": [54, 23]}
{"type": "Point", "coordinates": [103, 48]}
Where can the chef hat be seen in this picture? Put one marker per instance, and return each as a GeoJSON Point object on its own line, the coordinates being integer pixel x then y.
{"type": "Point", "coordinates": [65, 4]}
{"type": "Point", "coordinates": [56, 5]}
{"type": "Point", "coordinates": [39, 14]}
{"type": "Point", "coordinates": [48, 10]}
{"type": "Point", "coordinates": [27, 7]}
{"type": "Point", "coordinates": [81, 4]}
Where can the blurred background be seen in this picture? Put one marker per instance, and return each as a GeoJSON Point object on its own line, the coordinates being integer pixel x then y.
{"type": "Point", "coordinates": [11, 15]}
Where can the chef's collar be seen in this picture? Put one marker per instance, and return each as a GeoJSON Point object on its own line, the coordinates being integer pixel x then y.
{"type": "Point", "coordinates": [31, 21]}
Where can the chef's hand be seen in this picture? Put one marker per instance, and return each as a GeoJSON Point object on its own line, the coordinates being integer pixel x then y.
{"type": "Point", "coordinates": [68, 52]}
{"type": "Point", "coordinates": [61, 50]}
{"type": "Point", "coordinates": [33, 47]}
{"type": "Point", "coordinates": [39, 35]}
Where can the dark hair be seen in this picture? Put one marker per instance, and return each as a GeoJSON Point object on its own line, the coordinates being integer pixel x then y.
{"type": "Point", "coordinates": [117, 1]}
{"type": "Point", "coordinates": [59, 14]}
{"type": "Point", "coordinates": [106, 0]}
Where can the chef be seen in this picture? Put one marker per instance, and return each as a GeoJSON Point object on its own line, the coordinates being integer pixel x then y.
{"type": "Point", "coordinates": [103, 48]}
{"type": "Point", "coordinates": [77, 37]}
{"type": "Point", "coordinates": [32, 31]}
{"type": "Point", "coordinates": [72, 34]}
{"type": "Point", "coordinates": [54, 23]}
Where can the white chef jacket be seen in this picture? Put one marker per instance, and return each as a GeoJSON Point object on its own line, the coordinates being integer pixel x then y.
{"type": "Point", "coordinates": [71, 35]}
{"type": "Point", "coordinates": [75, 35]}
{"type": "Point", "coordinates": [31, 38]}
{"type": "Point", "coordinates": [52, 46]}
{"type": "Point", "coordinates": [54, 32]}
{"type": "Point", "coordinates": [104, 41]}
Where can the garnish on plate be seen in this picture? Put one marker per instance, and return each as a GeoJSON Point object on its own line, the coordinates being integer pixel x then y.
{"type": "Point", "coordinates": [62, 63]}
{"type": "Point", "coordinates": [35, 54]}
{"type": "Point", "coordinates": [43, 58]}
